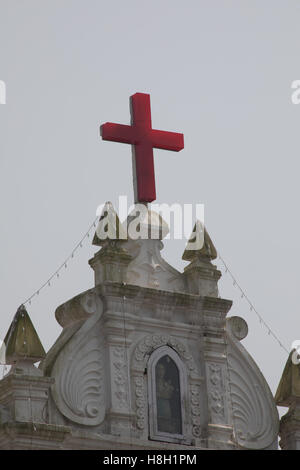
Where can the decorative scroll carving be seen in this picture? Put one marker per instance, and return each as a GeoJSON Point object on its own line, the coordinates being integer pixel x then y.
{"type": "Point", "coordinates": [79, 308]}
{"type": "Point", "coordinates": [120, 376]}
{"type": "Point", "coordinates": [195, 409]}
{"type": "Point", "coordinates": [254, 411]}
{"type": "Point", "coordinates": [216, 392]}
{"type": "Point", "coordinates": [82, 387]}
{"type": "Point", "coordinates": [79, 376]}
{"type": "Point", "coordinates": [151, 342]}
{"type": "Point", "coordinates": [140, 402]}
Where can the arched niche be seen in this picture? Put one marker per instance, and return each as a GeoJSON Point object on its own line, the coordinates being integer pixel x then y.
{"type": "Point", "coordinates": [167, 392]}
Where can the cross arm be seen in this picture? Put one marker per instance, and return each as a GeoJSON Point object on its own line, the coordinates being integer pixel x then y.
{"type": "Point", "coordinates": [117, 133]}
{"type": "Point", "coordinates": [167, 140]}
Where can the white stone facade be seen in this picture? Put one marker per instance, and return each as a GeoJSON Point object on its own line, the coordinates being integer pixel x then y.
{"type": "Point", "coordinates": [96, 390]}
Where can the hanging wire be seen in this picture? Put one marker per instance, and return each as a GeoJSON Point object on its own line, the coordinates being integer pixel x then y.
{"type": "Point", "coordinates": [251, 306]}
{"type": "Point", "coordinates": [227, 270]}
{"type": "Point", "coordinates": [63, 265]}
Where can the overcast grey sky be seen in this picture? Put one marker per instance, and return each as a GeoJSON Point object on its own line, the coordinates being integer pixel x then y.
{"type": "Point", "coordinates": [219, 71]}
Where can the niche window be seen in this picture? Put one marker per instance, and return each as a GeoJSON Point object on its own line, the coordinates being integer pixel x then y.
{"type": "Point", "coordinates": [167, 389]}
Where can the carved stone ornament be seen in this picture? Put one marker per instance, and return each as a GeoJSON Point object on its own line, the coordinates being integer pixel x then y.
{"type": "Point", "coordinates": [255, 415]}
{"type": "Point", "coordinates": [195, 409]}
{"type": "Point", "coordinates": [120, 376]}
{"type": "Point", "coordinates": [140, 358]}
{"type": "Point", "coordinates": [148, 268]}
{"type": "Point", "coordinates": [151, 342]}
{"type": "Point", "coordinates": [140, 402]}
{"type": "Point", "coordinates": [78, 390]}
{"type": "Point", "coordinates": [216, 392]}
{"type": "Point", "coordinates": [238, 327]}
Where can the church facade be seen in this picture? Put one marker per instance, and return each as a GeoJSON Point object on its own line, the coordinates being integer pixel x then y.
{"type": "Point", "coordinates": [147, 359]}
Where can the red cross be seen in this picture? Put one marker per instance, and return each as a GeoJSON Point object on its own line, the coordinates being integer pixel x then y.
{"type": "Point", "coordinates": [143, 139]}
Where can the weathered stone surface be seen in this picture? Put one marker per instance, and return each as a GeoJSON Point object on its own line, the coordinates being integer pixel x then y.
{"type": "Point", "coordinates": [95, 387]}
{"type": "Point", "coordinates": [255, 416]}
{"type": "Point", "coordinates": [109, 226]}
{"type": "Point", "coordinates": [199, 245]}
{"type": "Point", "coordinates": [22, 341]}
{"type": "Point", "coordinates": [111, 262]}
{"type": "Point", "coordinates": [30, 435]}
{"type": "Point", "coordinates": [25, 396]}
{"type": "Point", "coordinates": [201, 275]}
{"type": "Point", "coordinates": [288, 394]}
{"type": "Point", "coordinates": [290, 429]}
{"type": "Point", "coordinates": [143, 223]}
{"type": "Point", "coordinates": [288, 390]}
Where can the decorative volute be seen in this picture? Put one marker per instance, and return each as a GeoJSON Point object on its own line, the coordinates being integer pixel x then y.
{"type": "Point", "coordinates": [201, 275]}
{"type": "Point", "coordinates": [288, 395]}
{"type": "Point", "coordinates": [109, 264]}
{"type": "Point", "coordinates": [254, 414]}
{"type": "Point", "coordinates": [22, 346]}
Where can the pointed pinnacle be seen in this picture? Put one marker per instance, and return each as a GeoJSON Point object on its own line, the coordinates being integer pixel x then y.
{"type": "Point", "coordinates": [199, 244]}
{"type": "Point", "coordinates": [289, 386]}
{"type": "Point", "coordinates": [109, 226]}
{"type": "Point", "coordinates": [22, 340]}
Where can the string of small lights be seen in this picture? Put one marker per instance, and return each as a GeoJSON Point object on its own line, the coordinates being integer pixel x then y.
{"type": "Point", "coordinates": [64, 265]}
{"type": "Point", "coordinates": [236, 284]}
{"type": "Point", "coordinates": [251, 306]}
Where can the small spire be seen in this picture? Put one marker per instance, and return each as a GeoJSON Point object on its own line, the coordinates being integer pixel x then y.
{"type": "Point", "coordinates": [289, 386]}
{"type": "Point", "coordinates": [202, 276]}
{"type": "Point", "coordinates": [199, 244]}
{"type": "Point", "coordinates": [22, 341]}
{"type": "Point", "coordinates": [109, 226]}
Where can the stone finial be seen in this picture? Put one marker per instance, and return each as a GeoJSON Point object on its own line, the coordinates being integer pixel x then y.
{"type": "Point", "coordinates": [143, 223]}
{"type": "Point", "coordinates": [22, 346]}
{"type": "Point", "coordinates": [22, 340]}
{"type": "Point", "coordinates": [199, 245]}
{"type": "Point", "coordinates": [146, 230]}
{"type": "Point", "coordinates": [111, 261]}
{"type": "Point", "coordinates": [288, 389]}
{"type": "Point", "coordinates": [109, 227]}
{"type": "Point", "coordinates": [201, 275]}
{"type": "Point", "coordinates": [288, 394]}
{"type": "Point", "coordinates": [24, 390]}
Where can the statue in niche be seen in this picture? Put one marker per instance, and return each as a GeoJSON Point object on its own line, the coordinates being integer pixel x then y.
{"type": "Point", "coordinates": [168, 401]}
